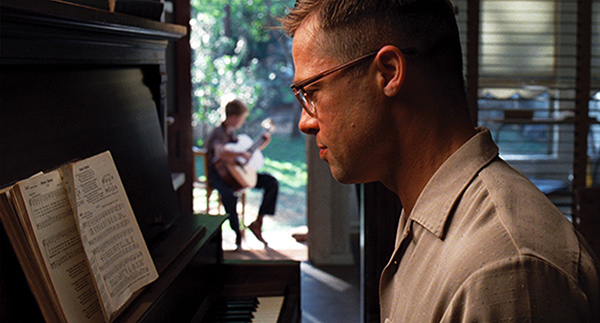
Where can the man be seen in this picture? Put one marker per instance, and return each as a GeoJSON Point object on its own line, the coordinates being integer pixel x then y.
{"type": "Point", "coordinates": [236, 113]}
{"type": "Point", "coordinates": [382, 90]}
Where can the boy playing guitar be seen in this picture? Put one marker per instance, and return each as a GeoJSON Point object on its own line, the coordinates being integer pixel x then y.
{"type": "Point", "coordinates": [224, 163]}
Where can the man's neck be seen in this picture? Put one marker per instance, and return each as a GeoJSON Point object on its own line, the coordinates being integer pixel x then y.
{"type": "Point", "coordinates": [414, 173]}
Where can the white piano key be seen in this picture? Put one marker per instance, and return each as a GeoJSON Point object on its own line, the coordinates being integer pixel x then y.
{"type": "Point", "coordinates": [268, 309]}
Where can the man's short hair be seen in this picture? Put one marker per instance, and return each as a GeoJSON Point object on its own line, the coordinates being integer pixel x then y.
{"type": "Point", "coordinates": [351, 28]}
{"type": "Point", "coordinates": [235, 108]}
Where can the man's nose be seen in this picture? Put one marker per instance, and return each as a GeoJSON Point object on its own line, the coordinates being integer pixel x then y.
{"type": "Point", "coordinates": [308, 124]}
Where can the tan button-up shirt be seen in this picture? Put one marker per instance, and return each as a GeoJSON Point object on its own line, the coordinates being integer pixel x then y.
{"type": "Point", "coordinates": [483, 244]}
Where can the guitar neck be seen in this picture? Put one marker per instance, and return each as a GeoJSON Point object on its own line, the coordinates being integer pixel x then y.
{"type": "Point", "coordinates": [258, 142]}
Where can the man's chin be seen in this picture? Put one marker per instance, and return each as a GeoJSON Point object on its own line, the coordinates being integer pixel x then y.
{"type": "Point", "coordinates": [343, 176]}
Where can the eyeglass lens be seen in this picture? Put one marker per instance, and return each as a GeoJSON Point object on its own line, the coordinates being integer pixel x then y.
{"type": "Point", "coordinates": [305, 102]}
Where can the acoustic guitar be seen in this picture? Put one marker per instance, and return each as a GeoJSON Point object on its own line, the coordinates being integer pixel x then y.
{"type": "Point", "coordinates": [242, 173]}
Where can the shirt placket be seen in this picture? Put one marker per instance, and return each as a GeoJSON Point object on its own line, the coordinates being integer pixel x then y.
{"type": "Point", "coordinates": [390, 270]}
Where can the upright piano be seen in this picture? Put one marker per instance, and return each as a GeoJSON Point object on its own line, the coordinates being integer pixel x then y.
{"type": "Point", "coordinates": [76, 81]}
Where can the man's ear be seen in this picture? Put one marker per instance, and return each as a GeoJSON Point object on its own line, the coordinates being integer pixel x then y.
{"type": "Point", "coordinates": [392, 65]}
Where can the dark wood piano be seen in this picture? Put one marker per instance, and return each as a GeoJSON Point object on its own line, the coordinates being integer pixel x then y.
{"type": "Point", "coordinates": [76, 81]}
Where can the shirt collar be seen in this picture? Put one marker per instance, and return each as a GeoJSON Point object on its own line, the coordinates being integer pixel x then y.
{"type": "Point", "coordinates": [434, 205]}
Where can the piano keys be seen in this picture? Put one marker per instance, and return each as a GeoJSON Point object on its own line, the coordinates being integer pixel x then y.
{"type": "Point", "coordinates": [268, 309]}
{"type": "Point", "coordinates": [247, 310]}
{"type": "Point", "coordinates": [257, 292]}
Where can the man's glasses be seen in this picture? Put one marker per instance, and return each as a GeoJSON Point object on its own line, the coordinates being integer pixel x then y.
{"type": "Point", "coordinates": [307, 104]}
{"type": "Point", "coordinates": [298, 87]}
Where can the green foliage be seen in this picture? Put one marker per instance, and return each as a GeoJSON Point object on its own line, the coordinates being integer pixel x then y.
{"type": "Point", "coordinates": [238, 51]}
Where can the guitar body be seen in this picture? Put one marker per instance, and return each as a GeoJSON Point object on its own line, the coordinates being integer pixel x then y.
{"type": "Point", "coordinates": [245, 143]}
{"type": "Point", "coordinates": [241, 175]}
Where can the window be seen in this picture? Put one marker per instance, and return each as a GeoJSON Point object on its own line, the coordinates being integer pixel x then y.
{"type": "Point", "coordinates": [523, 60]}
{"type": "Point", "coordinates": [593, 169]}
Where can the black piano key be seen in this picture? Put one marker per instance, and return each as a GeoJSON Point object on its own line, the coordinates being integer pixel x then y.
{"type": "Point", "coordinates": [233, 310]}
{"type": "Point", "coordinates": [237, 305]}
{"type": "Point", "coordinates": [245, 301]}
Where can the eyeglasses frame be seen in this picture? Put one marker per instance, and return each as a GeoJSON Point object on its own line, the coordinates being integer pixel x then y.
{"type": "Point", "coordinates": [298, 87]}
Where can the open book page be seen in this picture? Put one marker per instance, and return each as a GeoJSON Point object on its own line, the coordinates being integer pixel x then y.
{"type": "Point", "coordinates": [48, 221]}
{"type": "Point", "coordinates": [112, 239]}
{"type": "Point", "coordinates": [25, 255]}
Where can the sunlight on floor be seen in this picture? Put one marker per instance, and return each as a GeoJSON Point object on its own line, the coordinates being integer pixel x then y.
{"type": "Point", "coordinates": [276, 230]}
{"type": "Point", "coordinates": [277, 239]}
{"type": "Point", "coordinates": [331, 281]}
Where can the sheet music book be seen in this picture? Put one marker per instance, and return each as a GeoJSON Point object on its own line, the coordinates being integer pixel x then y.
{"type": "Point", "coordinates": [77, 240]}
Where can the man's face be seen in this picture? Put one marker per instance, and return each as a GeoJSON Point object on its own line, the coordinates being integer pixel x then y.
{"type": "Point", "coordinates": [347, 118]}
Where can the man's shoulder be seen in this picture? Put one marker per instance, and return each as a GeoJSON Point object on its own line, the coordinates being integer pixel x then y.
{"type": "Point", "coordinates": [217, 135]}
{"type": "Point", "coordinates": [525, 235]}
{"type": "Point", "coordinates": [534, 224]}
{"type": "Point", "coordinates": [517, 200]}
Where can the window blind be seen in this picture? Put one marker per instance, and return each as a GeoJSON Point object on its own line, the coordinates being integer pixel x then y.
{"type": "Point", "coordinates": [521, 60]}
